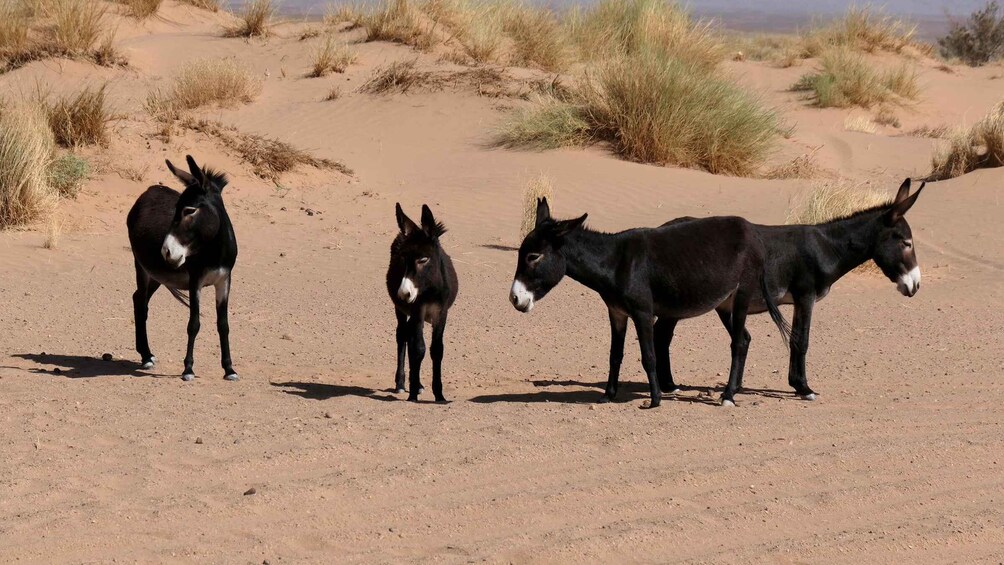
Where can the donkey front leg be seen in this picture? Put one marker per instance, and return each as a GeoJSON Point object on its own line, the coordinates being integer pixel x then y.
{"type": "Point", "coordinates": [437, 357]}
{"type": "Point", "coordinates": [416, 353]}
{"type": "Point", "coordinates": [664, 328]}
{"type": "Point", "coordinates": [145, 287]}
{"type": "Point", "coordinates": [740, 347]}
{"type": "Point", "coordinates": [223, 327]}
{"type": "Point", "coordinates": [643, 324]}
{"type": "Point", "coordinates": [403, 336]}
{"type": "Point", "coordinates": [193, 327]}
{"type": "Point", "coordinates": [618, 329]}
{"type": "Point", "coordinates": [800, 345]}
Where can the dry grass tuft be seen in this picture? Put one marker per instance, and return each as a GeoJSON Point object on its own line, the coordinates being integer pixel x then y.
{"type": "Point", "coordinates": [77, 27]}
{"type": "Point", "coordinates": [862, 124]}
{"type": "Point", "coordinates": [886, 116]}
{"type": "Point", "coordinates": [538, 39]}
{"type": "Point", "coordinates": [81, 119]}
{"type": "Point", "coordinates": [401, 22]}
{"type": "Point", "coordinates": [933, 132]}
{"type": "Point", "coordinates": [399, 76]}
{"type": "Point", "coordinates": [334, 94]}
{"type": "Point", "coordinates": [142, 8]}
{"type": "Point", "coordinates": [550, 124]}
{"type": "Point", "coordinates": [53, 232]}
{"type": "Point", "coordinates": [32, 30]}
{"type": "Point", "coordinates": [845, 79]}
{"type": "Point", "coordinates": [269, 158]}
{"type": "Point", "coordinates": [979, 147]}
{"type": "Point", "coordinates": [865, 29]}
{"type": "Point", "coordinates": [26, 149]}
{"type": "Point", "coordinates": [225, 82]}
{"type": "Point", "coordinates": [331, 55]}
{"type": "Point", "coordinates": [67, 174]}
{"type": "Point", "coordinates": [255, 20]}
{"type": "Point", "coordinates": [211, 5]}
{"type": "Point", "coordinates": [801, 167]}
{"type": "Point", "coordinates": [538, 187]}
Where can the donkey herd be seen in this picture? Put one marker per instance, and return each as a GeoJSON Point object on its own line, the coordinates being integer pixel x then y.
{"type": "Point", "coordinates": [653, 277]}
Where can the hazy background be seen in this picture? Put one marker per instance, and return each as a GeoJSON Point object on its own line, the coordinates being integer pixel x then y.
{"type": "Point", "coordinates": [931, 16]}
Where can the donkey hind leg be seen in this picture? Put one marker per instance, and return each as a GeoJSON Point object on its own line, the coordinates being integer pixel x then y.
{"type": "Point", "coordinates": [403, 336]}
{"type": "Point", "coordinates": [438, 328]}
{"type": "Point", "coordinates": [643, 324]}
{"type": "Point", "coordinates": [416, 353]}
{"type": "Point", "coordinates": [193, 328]}
{"type": "Point", "coordinates": [145, 287]}
{"type": "Point", "coordinates": [664, 328]}
{"type": "Point", "coordinates": [800, 345]}
{"type": "Point", "coordinates": [223, 328]}
{"type": "Point", "coordinates": [726, 318]}
{"type": "Point", "coordinates": [618, 329]}
{"type": "Point", "coordinates": [740, 347]}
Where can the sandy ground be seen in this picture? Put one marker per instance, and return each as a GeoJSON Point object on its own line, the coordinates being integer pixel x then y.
{"type": "Point", "coordinates": [899, 460]}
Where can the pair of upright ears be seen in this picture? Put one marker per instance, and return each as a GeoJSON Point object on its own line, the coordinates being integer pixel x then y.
{"type": "Point", "coordinates": [556, 228]}
{"type": "Point", "coordinates": [197, 176]}
{"type": "Point", "coordinates": [903, 201]}
{"type": "Point", "coordinates": [430, 226]}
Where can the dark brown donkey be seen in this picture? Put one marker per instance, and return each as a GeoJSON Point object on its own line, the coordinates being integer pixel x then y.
{"type": "Point", "coordinates": [185, 242]}
{"type": "Point", "coordinates": [423, 285]}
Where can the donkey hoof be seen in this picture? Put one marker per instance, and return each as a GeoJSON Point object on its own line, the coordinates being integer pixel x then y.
{"type": "Point", "coordinates": [442, 400]}
{"type": "Point", "coordinates": [187, 377]}
{"type": "Point", "coordinates": [676, 390]}
{"type": "Point", "coordinates": [726, 403]}
{"type": "Point", "coordinates": [412, 398]}
{"type": "Point", "coordinates": [399, 390]}
{"type": "Point", "coordinates": [605, 399]}
{"type": "Point", "coordinates": [810, 396]}
{"type": "Point", "coordinates": [231, 377]}
{"type": "Point", "coordinates": [148, 363]}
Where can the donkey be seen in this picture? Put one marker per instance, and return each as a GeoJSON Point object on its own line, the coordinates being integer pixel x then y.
{"type": "Point", "coordinates": [423, 285]}
{"type": "Point", "coordinates": [185, 242]}
{"type": "Point", "coordinates": [804, 261]}
{"type": "Point", "coordinates": [669, 273]}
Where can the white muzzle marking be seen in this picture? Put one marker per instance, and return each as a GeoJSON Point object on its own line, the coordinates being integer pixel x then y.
{"type": "Point", "coordinates": [407, 291]}
{"type": "Point", "coordinates": [909, 283]}
{"type": "Point", "coordinates": [173, 251]}
{"type": "Point", "coordinates": [520, 297]}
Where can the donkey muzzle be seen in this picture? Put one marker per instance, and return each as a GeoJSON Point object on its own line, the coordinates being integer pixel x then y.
{"type": "Point", "coordinates": [909, 283]}
{"type": "Point", "coordinates": [407, 291]}
{"type": "Point", "coordinates": [521, 298]}
{"type": "Point", "coordinates": [173, 251]}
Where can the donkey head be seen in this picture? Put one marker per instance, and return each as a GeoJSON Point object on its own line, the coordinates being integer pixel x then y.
{"type": "Point", "coordinates": [197, 217]}
{"type": "Point", "coordinates": [418, 249]}
{"type": "Point", "coordinates": [541, 265]}
{"type": "Point", "coordinates": [894, 251]}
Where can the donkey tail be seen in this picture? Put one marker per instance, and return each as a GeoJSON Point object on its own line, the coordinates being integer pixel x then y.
{"type": "Point", "coordinates": [775, 312]}
{"type": "Point", "coordinates": [183, 298]}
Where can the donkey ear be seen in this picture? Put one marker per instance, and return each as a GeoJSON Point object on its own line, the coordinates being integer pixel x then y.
{"type": "Point", "coordinates": [564, 227]}
{"type": "Point", "coordinates": [184, 176]}
{"type": "Point", "coordinates": [407, 226]}
{"type": "Point", "coordinates": [196, 170]}
{"type": "Point", "coordinates": [430, 226]}
{"type": "Point", "coordinates": [543, 211]}
{"type": "Point", "coordinates": [904, 190]}
{"type": "Point", "coordinates": [899, 208]}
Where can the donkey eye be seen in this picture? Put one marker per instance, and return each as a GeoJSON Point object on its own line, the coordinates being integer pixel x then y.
{"type": "Point", "coordinates": [533, 257]}
{"type": "Point", "coordinates": [422, 260]}
{"type": "Point", "coordinates": [188, 210]}
{"type": "Point", "coordinates": [907, 243]}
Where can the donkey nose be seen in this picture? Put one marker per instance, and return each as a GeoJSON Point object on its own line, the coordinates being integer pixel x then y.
{"type": "Point", "coordinates": [407, 291]}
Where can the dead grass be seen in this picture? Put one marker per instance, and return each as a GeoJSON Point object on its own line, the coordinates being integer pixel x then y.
{"type": "Point", "coordinates": [549, 124]}
{"type": "Point", "coordinates": [269, 158]}
{"type": "Point", "coordinates": [26, 150]}
{"type": "Point", "coordinates": [81, 119]}
{"type": "Point", "coordinates": [933, 132]}
{"type": "Point", "coordinates": [864, 28]}
{"type": "Point", "coordinates": [334, 94]}
{"type": "Point", "coordinates": [830, 200]}
{"type": "Point", "coordinates": [142, 9]}
{"type": "Point", "coordinates": [224, 82]}
{"type": "Point", "coordinates": [77, 27]}
{"type": "Point", "coordinates": [255, 20]}
{"type": "Point", "coordinates": [979, 147]}
{"type": "Point", "coordinates": [399, 76]}
{"type": "Point", "coordinates": [845, 79]}
{"type": "Point", "coordinates": [539, 186]}
{"type": "Point", "coordinates": [862, 124]}
{"type": "Point", "coordinates": [331, 55]}
{"type": "Point", "coordinates": [538, 39]}
{"type": "Point", "coordinates": [399, 21]}
{"type": "Point", "coordinates": [53, 232]}
{"type": "Point", "coordinates": [211, 5]}
{"type": "Point", "coordinates": [801, 167]}
{"type": "Point", "coordinates": [32, 30]}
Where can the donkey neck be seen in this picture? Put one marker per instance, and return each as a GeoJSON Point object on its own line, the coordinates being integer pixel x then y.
{"type": "Point", "coordinates": [848, 242]}
{"type": "Point", "coordinates": [590, 259]}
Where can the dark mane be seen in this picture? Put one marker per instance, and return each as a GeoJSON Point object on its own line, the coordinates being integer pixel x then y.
{"type": "Point", "coordinates": [436, 230]}
{"type": "Point", "coordinates": [216, 177]}
{"type": "Point", "coordinates": [877, 208]}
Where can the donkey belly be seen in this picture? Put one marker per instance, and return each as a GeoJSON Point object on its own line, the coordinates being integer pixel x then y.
{"type": "Point", "coordinates": [692, 306]}
{"type": "Point", "coordinates": [177, 279]}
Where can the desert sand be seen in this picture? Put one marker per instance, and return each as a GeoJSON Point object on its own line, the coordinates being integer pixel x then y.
{"type": "Point", "coordinates": [900, 459]}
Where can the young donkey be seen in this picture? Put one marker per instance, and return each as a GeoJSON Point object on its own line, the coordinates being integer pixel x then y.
{"type": "Point", "coordinates": [185, 242]}
{"type": "Point", "coordinates": [423, 285]}
{"type": "Point", "coordinates": [806, 260]}
{"type": "Point", "coordinates": [669, 273]}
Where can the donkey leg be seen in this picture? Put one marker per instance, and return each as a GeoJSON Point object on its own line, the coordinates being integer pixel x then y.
{"type": "Point", "coordinates": [145, 287]}
{"type": "Point", "coordinates": [437, 357]}
{"type": "Point", "coordinates": [402, 348]}
{"type": "Point", "coordinates": [726, 318]}
{"type": "Point", "coordinates": [193, 330]}
{"type": "Point", "coordinates": [618, 329]}
{"type": "Point", "coordinates": [223, 328]}
{"type": "Point", "coordinates": [664, 328]}
{"type": "Point", "coordinates": [740, 347]}
{"type": "Point", "coordinates": [416, 353]}
{"type": "Point", "coordinates": [800, 345]}
{"type": "Point", "coordinates": [643, 324]}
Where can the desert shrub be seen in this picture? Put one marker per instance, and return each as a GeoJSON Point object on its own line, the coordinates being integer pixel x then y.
{"type": "Point", "coordinates": [538, 39]}
{"type": "Point", "coordinates": [81, 119]}
{"type": "Point", "coordinates": [550, 124]}
{"type": "Point", "coordinates": [862, 124]}
{"type": "Point", "coordinates": [142, 8]}
{"type": "Point", "coordinates": [399, 76]}
{"type": "Point", "coordinates": [828, 201]}
{"type": "Point", "coordinates": [537, 187]}
{"type": "Point", "coordinates": [845, 79]}
{"type": "Point", "coordinates": [225, 82]}
{"type": "Point", "coordinates": [863, 29]}
{"type": "Point", "coordinates": [77, 26]}
{"type": "Point", "coordinates": [26, 149]}
{"type": "Point", "coordinates": [211, 5]}
{"type": "Point", "coordinates": [255, 20]}
{"type": "Point", "coordinates": [67, 174]}
{"type": "Point", "coordinates": [979, 147]}
{"type": "Point", "coordinates": [331, 55]}
{"type": "Point", "coordinates": [401, 22]}
{"type": "Point", "coordinates": [978, 40]}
